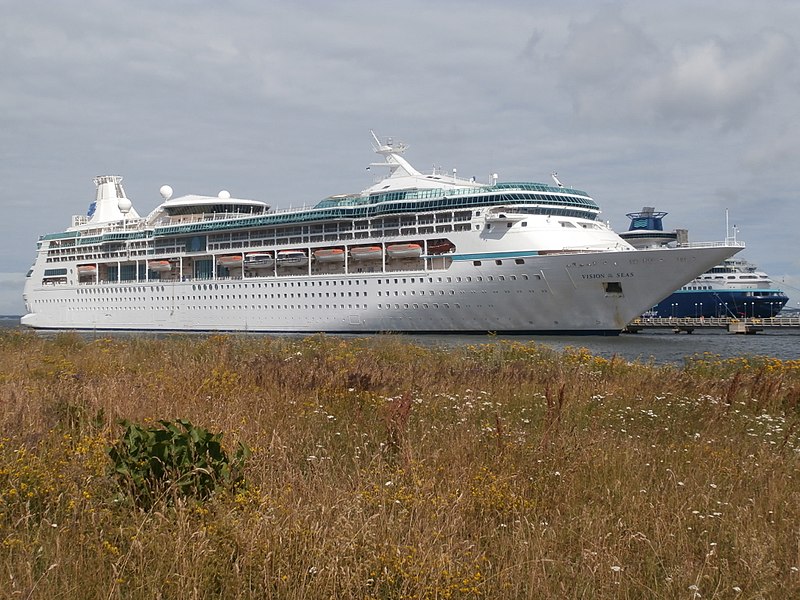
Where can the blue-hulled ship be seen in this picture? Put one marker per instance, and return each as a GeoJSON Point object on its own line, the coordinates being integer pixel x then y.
{"type": "Point", "coordinates": [733, 288]}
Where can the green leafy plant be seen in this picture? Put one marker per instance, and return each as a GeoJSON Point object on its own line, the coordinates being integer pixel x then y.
{"type": "Point", "coordinates": [175, 459]}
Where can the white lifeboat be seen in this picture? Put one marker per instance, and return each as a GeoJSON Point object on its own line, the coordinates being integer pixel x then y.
{"type": "Point", "coordinates": [404, 250]}
{"type": "Point", "coordinates": [292, 258]}
{"type": "Point", "coordinates": [366, 253]}
{"type": "Point", "coordinates": [258, 260]}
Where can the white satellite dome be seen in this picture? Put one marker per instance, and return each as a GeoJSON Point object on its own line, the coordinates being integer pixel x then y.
{"type": "Point", "coordinates": [166, 192]}
{"type": "Point", "coordinates": [224, 195]}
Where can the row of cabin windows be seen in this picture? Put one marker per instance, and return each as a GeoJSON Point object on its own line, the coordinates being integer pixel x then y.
{"type": "Point", "coordinates": [163, 302]}
{"type": "Point", "coordinates": [230, 307]}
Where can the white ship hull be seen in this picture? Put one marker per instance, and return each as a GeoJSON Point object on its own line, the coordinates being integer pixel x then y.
{"type": "Point", "coordinates": [545, 294]}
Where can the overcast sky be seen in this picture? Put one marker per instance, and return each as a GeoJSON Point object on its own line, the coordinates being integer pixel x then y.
{"type": "Point", "coordinates": [691, 107]}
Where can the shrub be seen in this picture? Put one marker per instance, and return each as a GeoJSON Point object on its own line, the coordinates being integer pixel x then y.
{"type": "Point", "coordinates": [176, 459]}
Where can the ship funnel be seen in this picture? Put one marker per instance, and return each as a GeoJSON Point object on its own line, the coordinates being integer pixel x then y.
{"type": "Point", "coordinates": [109, 186]}
{"type": "Point", "coordinates": [111, 203]}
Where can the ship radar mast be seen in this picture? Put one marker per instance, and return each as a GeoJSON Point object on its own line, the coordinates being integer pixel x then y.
{"type": "Point", "coordinates": [391, 151]}
{"type": "Point", "coordinates": [730, 232]}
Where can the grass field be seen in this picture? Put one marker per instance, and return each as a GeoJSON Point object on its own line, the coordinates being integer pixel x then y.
{"type": "Point", "coordinates": [384, 470]}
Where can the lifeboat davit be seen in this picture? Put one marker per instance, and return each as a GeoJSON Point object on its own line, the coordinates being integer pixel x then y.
{"type": "Point", "coordinates": [366, 253]}
{"type": "Point", "coordinates": [159, 266]}
{"type": "Point", "coordinates": [329, 255]}
{"type": "Point", "coordinates": [292, 258]}
{"type": "Point", "coordinates": [404, 251]}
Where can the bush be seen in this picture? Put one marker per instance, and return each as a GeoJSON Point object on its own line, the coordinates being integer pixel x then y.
{"type": "Point", "coordinates": [176, 459]}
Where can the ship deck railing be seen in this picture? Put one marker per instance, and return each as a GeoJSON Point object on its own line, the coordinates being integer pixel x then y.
{"type": "Point", "coordinates": [719, 244]}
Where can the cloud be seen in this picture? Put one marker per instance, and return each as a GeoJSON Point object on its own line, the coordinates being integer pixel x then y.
{"type": "Point", "coordinates": [717, 82]}
{"type": "Point", "coordinates": [617, 71]}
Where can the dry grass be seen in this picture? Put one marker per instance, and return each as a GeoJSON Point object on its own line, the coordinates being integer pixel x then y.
{"type": "Point", "coordinates": [386, 470]}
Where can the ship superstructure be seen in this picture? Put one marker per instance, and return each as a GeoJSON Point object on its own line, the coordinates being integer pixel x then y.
{"type": "Point", "coordinates": [414, 252]}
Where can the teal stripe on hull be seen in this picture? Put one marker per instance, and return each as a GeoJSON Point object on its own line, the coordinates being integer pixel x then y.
{"type": "Point", "coordinates": [494, 255]}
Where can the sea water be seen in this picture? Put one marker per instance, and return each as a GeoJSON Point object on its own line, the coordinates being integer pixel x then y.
{"type": "Point", "coordinates": [661, 346]}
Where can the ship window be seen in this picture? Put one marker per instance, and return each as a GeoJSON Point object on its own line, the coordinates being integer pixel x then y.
{"type": "Point", "coordinates": [498, 262]}
{"type": "Point", "coordinates": [519, 261]}
{"type": "Point", "coordinates": [476, 263]}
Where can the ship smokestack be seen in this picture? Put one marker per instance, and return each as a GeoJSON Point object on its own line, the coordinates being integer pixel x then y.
{"type": "Point", "coordinates": [111, 203]}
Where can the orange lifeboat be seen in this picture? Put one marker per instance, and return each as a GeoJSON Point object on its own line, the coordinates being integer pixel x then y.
{"type": "Point", "coordinates": [404, 250]}
{"type": "Point", "coordinates": [159, 266]}
{"type": "Point", "coordinates": [329, 255]}
{"type": "Point", "coordinates": [87, 270]}
{"type": "Point", "coordinates": [366, 253]}
{"type": "Point", "coordinates": [234, 260]}
{"type": "Point", "coordinates": [440, 246]}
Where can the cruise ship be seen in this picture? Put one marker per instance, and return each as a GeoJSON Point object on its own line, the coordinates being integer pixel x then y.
{"type": "Point", "coordinates": [414, 252]}
{"type": "Point", "coordinates": [733, 288]}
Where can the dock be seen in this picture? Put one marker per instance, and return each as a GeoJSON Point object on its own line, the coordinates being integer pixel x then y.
{"type": "Point", "coordinates": [745, 326]}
